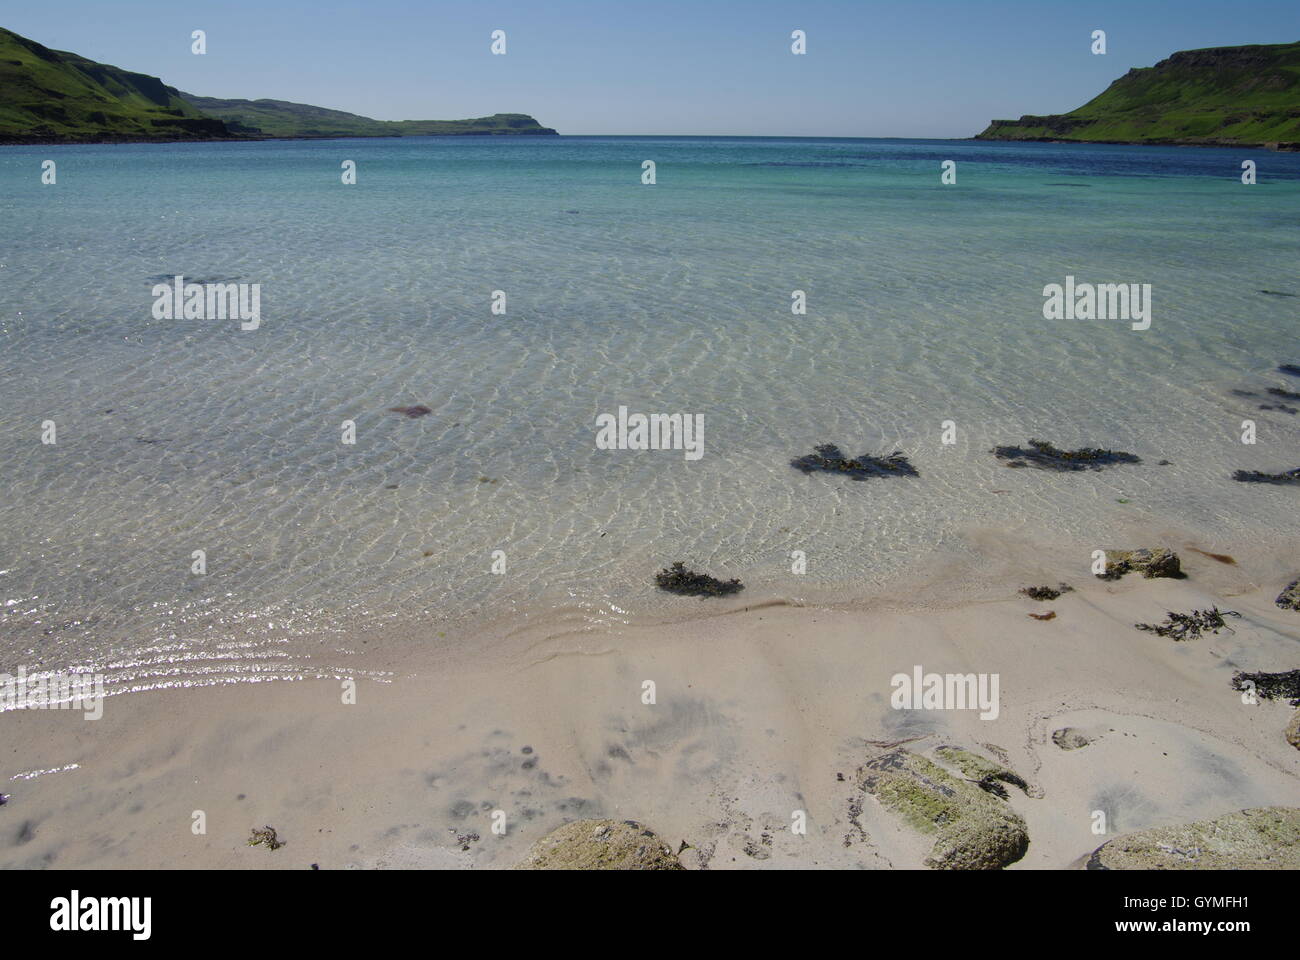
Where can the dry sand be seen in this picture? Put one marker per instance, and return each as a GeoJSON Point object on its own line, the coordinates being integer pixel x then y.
{"type": "Point", "coordinates": [757, 714]}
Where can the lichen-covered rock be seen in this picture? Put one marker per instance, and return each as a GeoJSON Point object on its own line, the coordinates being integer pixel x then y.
{"type": "Point", "coordinates": [1263, 838]}
{"type": "Point", "coordinates": [1161, 562]}
{"type": "Point", "coordinates": [973, 829]}
{"type": "Point", "coordinates": [600, 845]}
{"type": "Point", "coordinates": [1071, 738]}
{"type": "Point", "coordinates": [1289, 599]}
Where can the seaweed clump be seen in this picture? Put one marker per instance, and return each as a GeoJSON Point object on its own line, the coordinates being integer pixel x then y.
{"type": "Point", "coordinates": [1289, 599]}
{"type": "Point", "coordinates": [1285, 478]}
{"type": "Point", "coordinates": [1046, 593]}
{"type": "Point", "coordinates": [1271, 686]}
{"type": "Point", "coordinates": [1190, 626]}
{"type": "Point", "coordinates": [830, 458]}
{"type": "Point", "coordinates": [265, 836]}
{"type": "Point", "coordinates": [1042, 454]}
{"type": "Point", "coordinates": [1290, 368]}
{"type": "Point", "coordinates": [677, 579]}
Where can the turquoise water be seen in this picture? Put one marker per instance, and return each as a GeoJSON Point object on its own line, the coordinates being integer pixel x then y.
{"type": "Point", "coordinates": [924, 305]}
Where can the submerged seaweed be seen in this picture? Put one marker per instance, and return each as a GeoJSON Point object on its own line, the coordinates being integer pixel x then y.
{"type": "Point", "coordinates": [1290, 368]}
{"type": "Point", "coordinates": [1284, 394]}
{"type": "Point", "coordinates": [677, 579]}
{"type": "Point", "coordinates": [419, 410]}
{"type": "Point", "coordinates": [1272, 686]}
{"type": "Point", "coordinates": [1042, 454]}
{"type": "Point", "coordinates": [830, 458]}
{"type": "Point", "coordinates": [1286, 478]}
{"type": "Point", "coordinates": [1046, 593]}
{"type": "Point", "coordinates": [1189, 626]}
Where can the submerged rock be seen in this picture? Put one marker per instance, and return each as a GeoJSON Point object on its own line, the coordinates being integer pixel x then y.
{"type": "Point", "coordinates": [973, 828]}
{"type": "Point", "coordinates": [600, 845]}
{"type": "Point", "coordinates": [1043, 455]}
{"type": "Point", "coordinates": [1161, 562]}
{"type": "Point", "coordinates": [1289, 599]}
{"type": "Point", "coordinates": [1262, 838]}
{"type": "Point", "coordinates": [1071, 738]}
{"type": "Point", "coordinates": [830, 458]}
{"type": "Point", "coordinates": [677, 579]}
{"type": "Point", "coordinates": [1285, 478]}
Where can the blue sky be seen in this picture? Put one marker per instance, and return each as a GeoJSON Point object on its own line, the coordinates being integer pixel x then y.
{"type": "Point", "coordinates": [910, 68]}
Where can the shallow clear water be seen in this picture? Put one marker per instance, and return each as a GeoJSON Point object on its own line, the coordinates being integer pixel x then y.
{"type": "Point", "coordinates": [924, 305]}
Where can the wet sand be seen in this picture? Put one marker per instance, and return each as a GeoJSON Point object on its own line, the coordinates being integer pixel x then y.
{"type": "Point", "coordinates": [758, 713]}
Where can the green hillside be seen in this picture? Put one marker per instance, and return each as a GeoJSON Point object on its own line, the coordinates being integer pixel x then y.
{"type": "Point", "coordinates": [280, 118]}
{"type": "Point", "coordinates": [1232, 96]}
{"type": "Point", "coordinates": [50, 96]}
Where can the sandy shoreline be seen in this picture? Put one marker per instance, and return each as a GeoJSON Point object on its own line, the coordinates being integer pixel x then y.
{"type": "Point", "coordinates": [758, 714]}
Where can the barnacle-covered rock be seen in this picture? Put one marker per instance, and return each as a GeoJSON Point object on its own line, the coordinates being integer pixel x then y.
{"type": "Point", "coordinates": [973, 829]}
{"type": "Point", "coordinates": [1262, 838]}
{"type": "Point", "coordinates": [600, 845]}
{"type": "Point", "coordinates": [1160, 562]}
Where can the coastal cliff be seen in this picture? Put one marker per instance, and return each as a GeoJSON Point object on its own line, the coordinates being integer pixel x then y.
{"type": "Point", "coordinates": [1219, 96]}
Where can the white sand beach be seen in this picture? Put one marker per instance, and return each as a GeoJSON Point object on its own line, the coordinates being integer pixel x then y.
{"type": "Point", "coordinates": [759, 712]}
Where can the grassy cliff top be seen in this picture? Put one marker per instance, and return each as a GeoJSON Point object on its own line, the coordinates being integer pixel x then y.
{"type": "Point", "coordinates": [1247, 96]}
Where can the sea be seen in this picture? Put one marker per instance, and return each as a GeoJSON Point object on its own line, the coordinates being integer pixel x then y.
{"type": "Point", "coordinates": [196, 500]}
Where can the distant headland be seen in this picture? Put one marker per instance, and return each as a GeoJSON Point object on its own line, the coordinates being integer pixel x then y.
{"type": "Point", "coordinates": [51, 96]}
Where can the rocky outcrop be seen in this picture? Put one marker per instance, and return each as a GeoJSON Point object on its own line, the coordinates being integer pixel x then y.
{"type": "Point", "coordinates": [973, 827]}
{"type": "Point", "coordinates": [1292, 732]}
{"type": "Point", "coordinates": [1160, 562]}
{"type": "Point", "coordinates": [1263, 838]}
{"type": "Point", "coordinates": [600, 845]}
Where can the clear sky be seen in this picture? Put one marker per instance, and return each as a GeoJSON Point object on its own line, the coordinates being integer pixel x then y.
{"type": "Point", "coordinates": [910, 68]}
